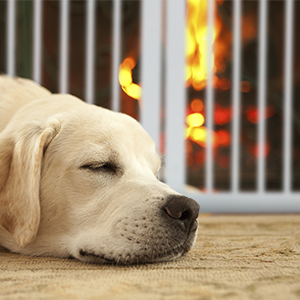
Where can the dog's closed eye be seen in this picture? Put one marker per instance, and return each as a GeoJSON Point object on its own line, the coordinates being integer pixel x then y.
{"type": "Point", "coordinates": [106, 167]}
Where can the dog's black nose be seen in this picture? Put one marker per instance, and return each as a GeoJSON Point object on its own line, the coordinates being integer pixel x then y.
{"type": "Point", "coordinates": [183, 209]}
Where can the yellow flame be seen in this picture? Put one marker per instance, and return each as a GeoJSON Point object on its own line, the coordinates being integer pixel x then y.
{"type": "Point", "coordinates": [133, 90]}
{"type": "Point", "coordinates": [196, 51]}
{"type": "Point", "coordinates": [195, 120]}
{"type": "Point", "coordinates": [196, 68]}
{"type": "Point", "coordinates": [199, 134]}
{"type": "Point", "coordinates": [125, 78]}
{"type": "Point", "coordinates": [197, 44]}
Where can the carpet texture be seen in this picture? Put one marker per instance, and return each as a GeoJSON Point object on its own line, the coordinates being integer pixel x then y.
{"type": "Point", "coordinates": [235, 257]}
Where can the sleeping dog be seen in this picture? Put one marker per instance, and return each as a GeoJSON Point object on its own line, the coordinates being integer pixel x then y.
{"type": "Point", "coordinates": [77, 180]}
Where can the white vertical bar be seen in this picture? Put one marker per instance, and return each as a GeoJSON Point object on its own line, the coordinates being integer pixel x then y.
{"type": "Point", "coordinates": [90, 52]}
{"type": "Point", "coordinates": [235, 156]}
{"type": "Point", "coordinates": [116, 55]}
{"type": "Point", "coordinates": [209, 99]}
{"type": "Point", "coordinates": [175, 94]}
{"type": "Point", "coordinates": [64, 46]}
{"type": "Point", "coordinates": [262, 65]}
{"type": "Point", "coordinates": [11, 38]}
{"type": "Point", "coordinates": [288, 58]}
{"type": "Point", "coordinates": [37, 40]}
{"type": "Point", "coordinates": [151, 67]}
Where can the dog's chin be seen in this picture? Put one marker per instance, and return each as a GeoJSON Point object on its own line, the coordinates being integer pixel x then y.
{"type": "Point", "coordinates": [128, 257]}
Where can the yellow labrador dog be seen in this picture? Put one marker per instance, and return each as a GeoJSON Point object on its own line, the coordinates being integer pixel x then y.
{"type": "Point", "coordinates": [77, 180]}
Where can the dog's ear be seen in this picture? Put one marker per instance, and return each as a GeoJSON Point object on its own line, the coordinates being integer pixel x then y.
{"type": "Point", "coordinates": [21, 155]}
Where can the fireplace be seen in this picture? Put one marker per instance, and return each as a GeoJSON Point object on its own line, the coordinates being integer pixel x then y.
{"type": "Point", "coordinates": [215, 83]}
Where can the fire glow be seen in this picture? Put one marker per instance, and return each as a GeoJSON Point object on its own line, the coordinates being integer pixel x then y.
{"type": "Point", "coordinates": [197, 73]}
{"type": "Point", "coordinates": [133, 90]}
{"type": "Point", "coordinates": [196, 132]}
{"type": "Point", "coordinates": [197, 44]}
{"type": "Point", "coordinates": [196, 53]}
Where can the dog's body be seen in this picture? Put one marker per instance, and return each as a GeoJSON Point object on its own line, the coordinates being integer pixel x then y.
{"type": "Point", "coordinates": [79, 180]}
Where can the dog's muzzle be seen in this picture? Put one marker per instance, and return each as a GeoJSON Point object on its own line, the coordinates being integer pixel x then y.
{"type": "Point", "coordinates": [164, 235]}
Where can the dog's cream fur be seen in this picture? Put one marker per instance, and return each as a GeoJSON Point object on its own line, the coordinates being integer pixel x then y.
{"type": "Point", "coordinates": [78, 179]}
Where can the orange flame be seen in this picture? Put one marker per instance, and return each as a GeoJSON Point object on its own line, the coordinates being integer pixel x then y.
{"type": "Point", "coordinates": [197, 44]}
{"type": "Point", "coordinates": [196, 69]}
{"type": "Point", "coordinates": [196, 51]}
{"type": "Point", "coordinates": [125, 78]}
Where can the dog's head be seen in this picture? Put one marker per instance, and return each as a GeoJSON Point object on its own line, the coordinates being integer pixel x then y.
{"type": "Point", "coordinates": [83, 183]}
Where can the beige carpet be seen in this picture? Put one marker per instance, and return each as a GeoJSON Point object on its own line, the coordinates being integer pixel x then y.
{"type": "Point", "coordinates": [235, 257]}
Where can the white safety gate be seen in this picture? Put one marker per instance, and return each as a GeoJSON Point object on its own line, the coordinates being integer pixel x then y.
{"type": "Point", "coordinates": [175, 102]}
